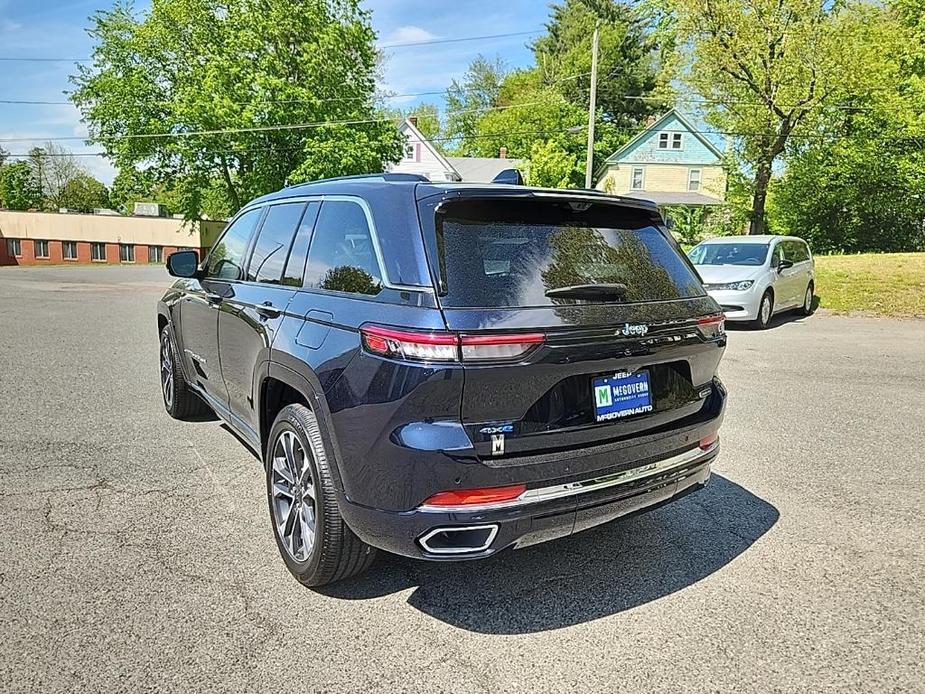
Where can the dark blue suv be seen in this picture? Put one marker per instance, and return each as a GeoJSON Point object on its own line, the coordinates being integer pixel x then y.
{"type": "Point", "coordinates": [446, 370]}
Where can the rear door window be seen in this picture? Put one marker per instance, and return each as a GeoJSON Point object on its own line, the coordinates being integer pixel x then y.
{"type": "Point", "coordinates": [515, 253]}
{"type": "Point", "coordinates": [273, 243]}
{"type": "Point", "coordinates": [341, 256]}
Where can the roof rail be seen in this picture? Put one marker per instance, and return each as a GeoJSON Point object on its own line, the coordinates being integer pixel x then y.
{"type": "Point", "coordinates": [370, 177]}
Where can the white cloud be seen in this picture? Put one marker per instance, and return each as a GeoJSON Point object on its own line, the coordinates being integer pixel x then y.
{"type": "Point", "coordinates": [408, 34]}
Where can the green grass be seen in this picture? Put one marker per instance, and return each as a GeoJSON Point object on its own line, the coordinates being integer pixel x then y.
{"type": "Point", "coordinates": [882, 284]}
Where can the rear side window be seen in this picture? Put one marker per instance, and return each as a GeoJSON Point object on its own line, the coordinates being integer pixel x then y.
{"type": "Point", "coordinates": [295, 266]}
{"type": "Point", "coordinates": [273, 242]}
{"type": "Point", "coordinates": [341, 256]}
{"type": "Point", "coordinates": [516, 253]}
{"type": "Point", "coordinates": [796, 251]}
{"type": "Point", "coordinates": [226, 259]}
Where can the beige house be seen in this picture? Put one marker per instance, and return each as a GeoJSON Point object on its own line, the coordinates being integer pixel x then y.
{"type": "Point", "coordinates": [669, 163]}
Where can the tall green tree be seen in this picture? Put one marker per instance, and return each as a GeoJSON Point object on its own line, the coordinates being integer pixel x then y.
{"type": "Point", "coordinates": [18, 188]}
{"type": "Point", "coordinates": [769, 69]}
{"type": "Point", "coordinates": [628, 86]}
{"type": "Point", "coordinates": [159, 86]}
{"type": "Point", "coordinates": [468, 100]}
{"type": "Point", "coordinates": [858, 184]}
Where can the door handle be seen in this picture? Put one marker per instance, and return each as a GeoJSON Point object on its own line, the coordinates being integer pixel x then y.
{"type": "Point", "coordinates": [266, 310]}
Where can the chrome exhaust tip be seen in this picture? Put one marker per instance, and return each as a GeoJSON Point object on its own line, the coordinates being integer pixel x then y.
{"type": "Point", "coordinates": [458, 540]}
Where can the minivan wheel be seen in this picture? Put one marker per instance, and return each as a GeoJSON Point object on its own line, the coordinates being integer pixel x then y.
{"type": "Point", "coordinates": [312, 538]}
{"type": "Point", "coordinates": [179, 399]}
{"type": "Point", "coordinates": [765, 311]}
{"type": "Point", "coordinates": [807, 308]}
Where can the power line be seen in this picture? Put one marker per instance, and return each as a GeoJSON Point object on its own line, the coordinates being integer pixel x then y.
{"type": "Point", "coordinates": [460, 40]}
{"type": "Point", "coordinates": [401, 44]}
{"type": "Point", "coordinates": [254, 129]}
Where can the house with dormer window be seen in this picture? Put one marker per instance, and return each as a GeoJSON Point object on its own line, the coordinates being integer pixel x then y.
{"type": "Point", "coordinates": [669, 163]}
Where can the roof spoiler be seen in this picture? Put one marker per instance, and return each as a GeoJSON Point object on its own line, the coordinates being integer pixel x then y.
{"type": "Point", "coordinates": [509, 176]}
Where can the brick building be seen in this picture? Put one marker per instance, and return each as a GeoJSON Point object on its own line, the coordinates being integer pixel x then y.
{"type": "Point", "coordinates": [48, 238]}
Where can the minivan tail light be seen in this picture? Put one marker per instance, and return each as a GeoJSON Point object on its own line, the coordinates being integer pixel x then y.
{"type": "Point", "coordinates": [403, 344]}
{"type": "Point", "coordinates": [488, 347]}
{"type": "Point", "coordinates": [712, 326]}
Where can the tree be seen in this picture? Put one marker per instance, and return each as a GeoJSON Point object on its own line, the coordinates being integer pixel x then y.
{"type": "Point", "coordinates": [83, 193]}
{"type": "Point", "coordinates": [769, 68]}
{"type": "Point", "coordinates": [18, 188]}
{"type": "Point", "coordinates": [551, 165]}
{"type": "Point", "coordinates": [53, 168]}
{"type": "Point", "coordinates": [628, 67]}
{"type": "Point", "coordinates": [858, 184]}
{"type": "Point", "coordinates": [467, 101]}
{"type": "Point", "coordinates": [159, 87]}
{"type": "Point", "coordinates": [3, 156]}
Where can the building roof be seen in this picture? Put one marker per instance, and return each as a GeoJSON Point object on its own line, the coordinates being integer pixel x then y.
{"type": "Point", "coordinates": [656, 126]}
{"type": "Point", "coordinates": [667, 198]}
{"type": "Point", "coordinates": [481, 169]}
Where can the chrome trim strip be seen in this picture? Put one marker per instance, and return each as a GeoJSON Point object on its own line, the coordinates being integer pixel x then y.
{"type": "Point", "coordinates": [493, 531]}
{"type": "Point", "coordinates": [535, 496]}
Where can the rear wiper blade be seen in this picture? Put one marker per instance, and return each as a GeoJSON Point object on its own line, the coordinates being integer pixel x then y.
{"type": "Point", "coordinates": [588, 291]}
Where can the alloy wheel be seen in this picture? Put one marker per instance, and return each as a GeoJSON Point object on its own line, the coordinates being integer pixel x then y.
{"type": "Point", "coordinates": [765, 310]}
{"type": "Point", "coordinates": [808, 299]}
{"type": "Point", "coordinates": [166, 369]}
{"type": "Point", "coordinates": [293, 496]}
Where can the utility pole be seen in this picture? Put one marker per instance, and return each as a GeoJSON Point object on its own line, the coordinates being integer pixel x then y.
{"type": "Point", "coordinates": [592, 104]}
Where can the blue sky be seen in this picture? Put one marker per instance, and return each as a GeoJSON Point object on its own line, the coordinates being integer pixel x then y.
{"type": "Point", "coordinates": [29, 28]}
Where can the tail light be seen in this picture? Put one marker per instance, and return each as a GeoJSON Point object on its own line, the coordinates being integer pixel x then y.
{"type": "Point", "coordinates": [709, 442]}
{"type": "Point", "coordinates": [447, 346]}
{"type": "Point", "coordinates": [473, 497]}
{"type": "Point", "coordinates": [486, 347]}
{"type": "Point", "coordinates": [712, 326]}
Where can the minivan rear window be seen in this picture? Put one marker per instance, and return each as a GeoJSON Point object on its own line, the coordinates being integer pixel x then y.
{"type": "Point", "coordinates": [517, 253]}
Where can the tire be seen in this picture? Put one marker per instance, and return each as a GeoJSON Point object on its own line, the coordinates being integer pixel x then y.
{"type": "Point", "coordinates": [807, 308]}
{"type": "Point", "coordinates": [765, 311]}
{"type": "Point", "coordinates": [179, 399]}
{"type": "Point", "coordinates": [319, 547]}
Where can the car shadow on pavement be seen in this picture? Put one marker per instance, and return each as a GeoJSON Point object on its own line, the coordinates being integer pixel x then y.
{"type": "Point", "coordinates": [777, 320]}
{"type": "Point", "coordinates": [596, 573]}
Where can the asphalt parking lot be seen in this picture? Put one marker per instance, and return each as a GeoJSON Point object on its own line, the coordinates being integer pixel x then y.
{"type": "Point", "coordinates": [136, 554]}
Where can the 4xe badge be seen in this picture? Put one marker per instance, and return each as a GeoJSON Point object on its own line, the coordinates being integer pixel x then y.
{"type": "Point", "coordinates": [629, 329]}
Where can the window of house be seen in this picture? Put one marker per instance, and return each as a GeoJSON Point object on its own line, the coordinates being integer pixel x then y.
{"type": "Point", "coordinates": [676, 140]}
{"type": "Point", "coordinates": [638, 178]}
{"type": "Point", "coordinates": [127, 252]}
{"type": "Point", "coordinates": [409, 152]}
{"type": "Point", "coordinates": [226, 259]}
{"type": "Point", "coordinates": [69, 250]}
{"type": "Point", "coordinates": [669, 140]}
{"type": "Point", "coordinates": [341, 256]}
{"type": "Point", "coordinates": [98, 251]}
{"type": "Point", "coordinates": [155, 254]}
{"type": "Point", "coordinates": [663, 140]}
{"type": "Point", "coordinates": [14, 247]}
{"type": "Point", "coordinates": [41, 249]}
{"type": "Point", "coordinates": [273, 243]}
{"type": "Point", "coordinates": [693, 180]}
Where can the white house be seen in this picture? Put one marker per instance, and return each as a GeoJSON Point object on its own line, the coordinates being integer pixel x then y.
{"type": "Point", "coordinates": [421, 157]}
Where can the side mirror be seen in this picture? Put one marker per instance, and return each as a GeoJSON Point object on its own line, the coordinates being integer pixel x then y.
{"type": "Point", "coordinates": [784, 264]}
{"type": "Point", "coordinates": [183, 264]}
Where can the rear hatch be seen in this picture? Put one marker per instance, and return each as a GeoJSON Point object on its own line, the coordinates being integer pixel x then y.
{"type": "Point", "coordinates": [619, 339]}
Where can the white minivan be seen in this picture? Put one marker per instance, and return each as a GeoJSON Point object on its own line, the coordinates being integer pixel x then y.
{"type": "Point", "coordinates": [754, 277]}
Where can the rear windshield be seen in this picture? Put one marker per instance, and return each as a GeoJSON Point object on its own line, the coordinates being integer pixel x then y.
{"type": "Point", "coordinates": [513, 253]}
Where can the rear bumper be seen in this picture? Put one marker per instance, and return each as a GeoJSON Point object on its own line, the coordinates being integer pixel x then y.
{"type": "Point", "coordinates": [552, 511]}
